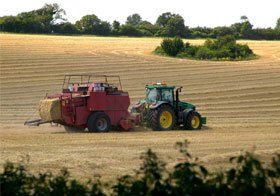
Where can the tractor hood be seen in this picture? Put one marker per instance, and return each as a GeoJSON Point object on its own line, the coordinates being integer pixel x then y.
{"type": "Point", "coordinates": [186, 105]}
{"type": "Point", "coordinates": [144, 104]}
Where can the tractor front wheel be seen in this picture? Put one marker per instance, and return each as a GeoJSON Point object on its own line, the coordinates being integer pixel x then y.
{"type": "Point", "coordinates": [192, 121]}
{"type": "Point", "coordinates": [162, 118]}
{"type": "Point", "coordinates": [98, 122]}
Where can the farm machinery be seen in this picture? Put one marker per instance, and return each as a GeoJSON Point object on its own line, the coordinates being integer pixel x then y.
{"type": "Point", "coordinates": [163, 110]}
{"type": "Point", "coordinates": [99, 106]}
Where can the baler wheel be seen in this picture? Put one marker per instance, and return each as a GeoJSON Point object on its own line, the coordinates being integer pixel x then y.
{"type": "Point", "coordinates": [70, 129]}
{"type": "Point", "coordinates": [163, 118]}
{"type": "Point", "coordinates": [192, 121]}
{"type": "Point", "coordinates": [98, 122]}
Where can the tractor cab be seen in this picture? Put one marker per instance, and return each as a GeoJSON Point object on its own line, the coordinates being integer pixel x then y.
{"type": "Point", "coordinates": [159, 92]}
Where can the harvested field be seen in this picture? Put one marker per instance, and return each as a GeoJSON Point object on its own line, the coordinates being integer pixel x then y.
{"type": "Point", "coordinates": [240, 99]}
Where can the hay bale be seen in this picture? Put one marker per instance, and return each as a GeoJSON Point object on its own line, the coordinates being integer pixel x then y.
{"type": "Point", "coordinates": [50, 109]}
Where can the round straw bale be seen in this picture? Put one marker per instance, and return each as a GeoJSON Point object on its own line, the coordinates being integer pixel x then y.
{"type": "Point", "coordinates": [50, 109]}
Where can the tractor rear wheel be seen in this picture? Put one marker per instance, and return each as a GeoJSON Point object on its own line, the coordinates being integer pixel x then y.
{"type": "Point", "coordinates": [162, 118]}
{"type": "Point", "coordinates": [192, 121]}
{"type": "Point", "coordinates": [71, 129]}
{"type": "Point", "coordinates": [98, 122]}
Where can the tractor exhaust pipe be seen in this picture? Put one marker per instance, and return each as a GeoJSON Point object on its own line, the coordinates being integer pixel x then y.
{"type": "Point", "coordinates": [177, 96]}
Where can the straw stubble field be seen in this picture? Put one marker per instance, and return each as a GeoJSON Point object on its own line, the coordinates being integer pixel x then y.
{"type": "Point", "coordinates": [240, 99]}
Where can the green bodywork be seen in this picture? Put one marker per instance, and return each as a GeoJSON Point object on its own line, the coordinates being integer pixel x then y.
{"type": "Point", "coordinates": [157, 101]}
{"type": "Point", "coordinates": [182, 104]}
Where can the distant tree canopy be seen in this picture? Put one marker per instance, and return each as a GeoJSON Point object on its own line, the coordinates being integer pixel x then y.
{"type": "Point", "coordinates": [36, 21]}
{"type": "Point", "coordinates": [171, 25]}
{"type": "Point", "coordinates": [134, 19]}
{"type": "Point", "coordinates": [49, 19]}
{"type": "Point", "coordinates": [278, 25]}
{"type": "Point", "coordinates": [91, 24]}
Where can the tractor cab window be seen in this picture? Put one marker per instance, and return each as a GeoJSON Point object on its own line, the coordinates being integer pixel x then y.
{"type": "Point", "coordinates": [167, 95]}
{"type": "Point", "coordinates": [152, 95]}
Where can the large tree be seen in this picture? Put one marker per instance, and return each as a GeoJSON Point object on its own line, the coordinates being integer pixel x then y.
{"type": "Point", "coordinates": [88, 23]}
{"type": "Point", "coordinates": [277, 27]}
{"type": "Point", "coordinates": [133, 19]}
{"type": "Point", "coordinates": [163, 19]}
{"type": "Point", "coordinates": [116, 27]}
{"type": "Point", "coordinates": [243, 29]}
{"type": "Point", "coordinates": [36, 21]}
{"type": "Point", "coordinates": [10, 24]}
{"type": "Point", "coordinates": [104, 28]}
{"type": "Point", "coordinates": [147, 28]}
{"type": "Point", "coordinates": [91, 24]}
{"type": "Point", "coordinates": [171, 25]}
{"type": "Point", "coordinates": [246, 29]}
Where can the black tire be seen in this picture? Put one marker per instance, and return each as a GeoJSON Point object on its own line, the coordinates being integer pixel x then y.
{"type": "Point", "coordinates": [149, 118]}
{"type": "Point", "coordinates": [70, 129]}
{"type": "Point", "coordinates": [156, 116]}
{"type": "Point", "coordinates": [98, 122]}
{"type": "Point", "coordinates": [146, 116]}
{"type": "Point", "coordinates": [189, 118]}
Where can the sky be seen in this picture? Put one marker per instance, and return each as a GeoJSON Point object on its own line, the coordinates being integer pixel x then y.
{"type": "Point", "coordinates": [210, 13]}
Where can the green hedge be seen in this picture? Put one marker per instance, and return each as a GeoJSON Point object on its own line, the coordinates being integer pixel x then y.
{"type": "Point", "coordinates": [224, 48]}
{"type": "Point", "coordinates": [246, 176]}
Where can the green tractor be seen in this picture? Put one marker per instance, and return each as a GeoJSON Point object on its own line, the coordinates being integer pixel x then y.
{"type": "Point", "coordinates": [162, 109]}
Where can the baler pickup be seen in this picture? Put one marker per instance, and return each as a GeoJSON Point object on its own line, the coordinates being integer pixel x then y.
{"type": "Point", "coordinates": [35, 122]}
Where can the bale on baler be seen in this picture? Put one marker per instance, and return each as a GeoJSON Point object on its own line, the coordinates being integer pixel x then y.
{"type": "Point", "coordinates": [50, 109]}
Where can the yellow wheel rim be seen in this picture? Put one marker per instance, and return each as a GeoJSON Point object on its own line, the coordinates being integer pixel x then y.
{"type": "Point", "coordinates": [165, 119]}
{"type": "Point", "coordinates": [195, 122]}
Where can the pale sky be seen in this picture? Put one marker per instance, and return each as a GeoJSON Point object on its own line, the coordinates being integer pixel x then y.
{"type": "Point", "coordinates": [210, 13]}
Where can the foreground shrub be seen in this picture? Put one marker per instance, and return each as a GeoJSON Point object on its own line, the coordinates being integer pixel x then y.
{"type": "Point", "coordinates": [16, 180]}
{"type": "Point", "coordinates": [246, 176]}
{"type": "Point", "coordinates": [224, 48]}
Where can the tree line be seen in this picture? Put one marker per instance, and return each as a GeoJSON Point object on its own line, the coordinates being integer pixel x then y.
{"type": "Point", "coordinates": [49, 19]}
{"type": "Point", "coordinates": [246, 175]}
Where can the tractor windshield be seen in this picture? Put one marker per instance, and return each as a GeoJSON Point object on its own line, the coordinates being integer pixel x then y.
{"type": "Point", "coordinates": [152, 95]}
